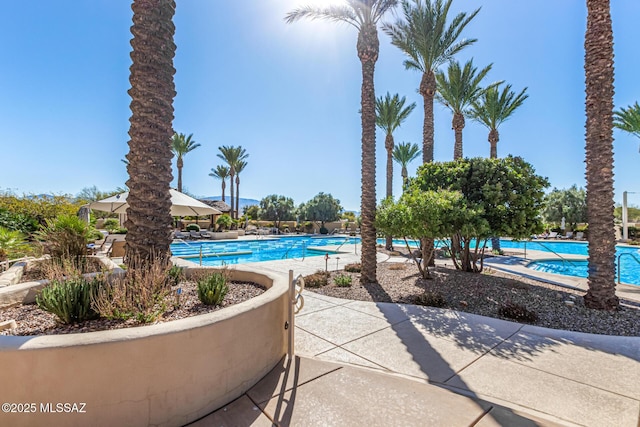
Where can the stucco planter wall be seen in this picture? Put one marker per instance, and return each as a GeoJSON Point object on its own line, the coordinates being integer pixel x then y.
{"type": "Point", "coordinates": [167, 374]}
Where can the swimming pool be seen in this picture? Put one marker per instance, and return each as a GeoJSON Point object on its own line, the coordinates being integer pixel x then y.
{"type": "Point", "coordinates": [267, 249]}
{"type": "Point", "coordinates": [629, 264]}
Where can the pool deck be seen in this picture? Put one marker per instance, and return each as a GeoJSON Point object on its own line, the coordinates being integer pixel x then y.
{"type": "Point", "coordinates": [378, 364]}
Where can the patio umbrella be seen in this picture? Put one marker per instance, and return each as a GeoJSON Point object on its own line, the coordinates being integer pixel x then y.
{"type": "Point", "coordinates": [181, 205]}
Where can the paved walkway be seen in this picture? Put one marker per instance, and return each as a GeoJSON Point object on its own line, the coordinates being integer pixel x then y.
{"type": "Point", "coordinates": [380, 364]}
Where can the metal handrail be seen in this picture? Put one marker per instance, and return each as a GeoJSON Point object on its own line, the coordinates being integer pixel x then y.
{"type": "Point", "coordinates": [620, 256]}
{"type": "Point", "coordinates": [564, 260]}
{"type": "Point", "coordinates": [346, 240]}
{"type": "Point", "coordinates": [182, 241]}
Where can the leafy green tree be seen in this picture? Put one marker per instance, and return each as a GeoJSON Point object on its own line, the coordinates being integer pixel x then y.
{"type": "Point", "coordinates": [364, 17]}
{"type": "Point", "coordinates": [628, 119]}
{"type": "Point", "coordinates": [222, 173]}
{"type": "Point", "coordinates": [25, 224]}
{"type": "Point", "coordinates": [252, 212]}
{"type": "Point", "coordinates": [404, 153]}
{"type": "Point", "coordinates": [181, 145]}
{"type": "Point", "coordinates": [570, 204]}
{"type": "Point", "coordinates": [423, 215]}
{"type": "Point", "coordinates": [425, 37]}
{"type": "Point", "coordinates": [224, 222]}
{"type": "Point", "coordinates": [232, 155]}
{"type": "Point", "coordinates": [152, 92]}
{"type": "Point", "coordinates": [457, 89]}
{"type": "Point", "coordinates": [493, 108]}
{"type": "Point", "coordinates": [505, 194]}
{"type": "Point", "coordinates": [277, 208]}
{"type": "Point", "coordinates": [322, 208]}
{"type": "Point", "coordinates": [598, 68]}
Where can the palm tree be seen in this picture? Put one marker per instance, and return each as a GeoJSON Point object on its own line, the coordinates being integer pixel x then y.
{"type": "Point", "coordinates": [181, 145]}
{"type": "Point", "coordinates": [426, 39]}
{"type": "Point", "coordinates": [363, 15]}
{"type": "Point", "coordinates": [390, 113]}
{"type": "Point", "coordinates": [493, 108]}
{"type": "Point", "coordinates": [598, 67]}
{"type": "Point", "coordinates": [221, 172]}
{"type": "Point", "coordinates": [232, 155]}
{"type": "Point", "coordinates": [404, 153]}
{"type": "Point", "coordinates": [152, 92]}
{"type": "Point", "coordinates": [457, 90]}
{"type": "Point", "coordinates": [628, 119]}
{"type": "Point", "coordinates": [240, 165]}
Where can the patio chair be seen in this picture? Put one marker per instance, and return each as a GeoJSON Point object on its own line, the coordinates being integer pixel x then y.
{"type": "Point", "coordinates": [552, 235]}
{"type": "Point", "coordinates": [181, 235]}
{"type": "Point", "coordinates": [206, 234]}
{"type": "Point", "coordinates": [195, 235]}
{"type": "Point", "coordinates": [580, 235]}
{"type": "Point", "coordinates": [569, 235]}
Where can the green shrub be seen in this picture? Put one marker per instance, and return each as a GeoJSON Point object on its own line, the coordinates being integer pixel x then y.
{"type": "Point", "coordinates": [120, 230]}
{"type": "Point", "coordinates": [175, 275]}
{"type": "Point", "coordinates": [70, 300]}
{"type": "Point", "coordinates": [212, 288]}
{"type": "Point", "coordinates": [431, 299]}
{"type": "Point", "coordinates": [316, 280]}
{"type": "Point", "coordinates": [224, 222]}
{"type": "Point", "coordinates": [324, 230]}
{"type": "Point", "coordinates": [23, 223]}
{"type": "Point", "coordinates": [633, 232]}
{"type": "Point", "coordinates": [342, 280]}
{"type": "Point", "coordinates": [517, 312]}
{"type": "Point", "coordinates": [353, 268]}
{"type": "Point", "coordinates": [193, 227]}
{"type": "Point", "coordinates": [13, 244]}
{"type": "Point", "coordinates": [111, 224]}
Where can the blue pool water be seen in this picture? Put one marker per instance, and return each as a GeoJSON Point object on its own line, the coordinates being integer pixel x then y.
{"type": "Point", "coordinates": [629, 264]}
{"type": "Point", "coordinates": [268, 249]}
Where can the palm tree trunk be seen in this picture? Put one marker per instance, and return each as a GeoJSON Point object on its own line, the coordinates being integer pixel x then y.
{"type": "Point", "coordinates": [179, 164]}
{"type": "Point", "coordinates": [428, 91]}
{"type": "Point", "coordinates": [368, 48]}
{"type": "Point", "coordinates": [494, 137]}
{"type": "Point", "coordinates": [232, 177]}
{"type": "Point", "coordinates": [224, 186]}
{"type": "Point", "coordinates": [458, 125]}
{"type": "Point", "coordinates": [405, 178]}
{"type": "Point", "coordinates": [149, 213]}
{"type": "Point", "coordinates": [388, 144]}
{"type": "Point", "coordinates": [237, 196]}
{"type": "Point", "coordinates": [598, 68]}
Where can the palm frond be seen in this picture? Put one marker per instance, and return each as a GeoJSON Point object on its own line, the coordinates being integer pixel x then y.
{"type": "Point", "coordinates": [628, 119]}
{"type": "Point", "coordinates": [334, 13]}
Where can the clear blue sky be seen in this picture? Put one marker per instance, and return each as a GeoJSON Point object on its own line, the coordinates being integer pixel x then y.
{"type": "Point", "coordinates": [289, 94]}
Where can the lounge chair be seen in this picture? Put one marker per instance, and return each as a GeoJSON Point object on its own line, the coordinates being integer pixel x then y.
{"type": "Point", "coordinates": [569, 235]}
{"type": "Point", "coordinates": [195, 235]}
{"type": "Point", "coordinates": [580, 235]}
{"type": "Point", "coordinates": [552, 235]}
{"type": "Point", "coordinates": [206, 234]}
{"type": "Point", "coordinates": [181, 235]}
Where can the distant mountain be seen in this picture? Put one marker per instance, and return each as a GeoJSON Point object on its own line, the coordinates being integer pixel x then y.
{"type": "Point", "coordinates": [243, 202]}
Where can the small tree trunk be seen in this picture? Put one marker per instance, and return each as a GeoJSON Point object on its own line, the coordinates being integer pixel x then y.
{"type": "Point", "coordinates": [457, 125]}
{"type": "Point", "coordinates": [388, 144]}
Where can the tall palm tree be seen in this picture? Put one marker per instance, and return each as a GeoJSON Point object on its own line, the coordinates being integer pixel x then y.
{"type": "Point", "coordinates": [628, 119]}
{"type": "Point", "coordinates": [222, 173]}
{"type": "Point", "coordinates": [181, 145]}
{"type": "Point", "coordinates": [424, 36]}
{"type": "Point", "coordinates": [390, 113]}
{"type": "Point", "coordinates": [457, 89]}
{"type": "Point", "coordinates": [493, 108]}
{"type": "Point", "coordinates": [364, 16]}
{"type": "Point", "coordinates": [240, 165]}
{"type": "Point", "coordinates": [232, 155]}
{"type": "Point", "coordinates": [404, 153]}
{"type": "Point", "coordinates": [598, 67]}
{"type": "Point", "coordinates": [152, 92]}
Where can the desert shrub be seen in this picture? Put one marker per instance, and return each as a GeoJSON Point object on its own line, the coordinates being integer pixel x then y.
{"type": "Point", "coordinates": [353, 268]}
{"type": "Point", "coordinates": [139, 293]}
{"type": "Point", "coordinates": [94, 235]}
{"type": "Point", "coordinates": [397, 266]}
{"type": "Point", "coordinates": [316, 280]}
{"type": "Point", "coordinates": [517, 312]}
{"type": "Point", "coordinates": [175, 275]}
{"type": "Point", "coordinates": [193, 227]}
{"type": "Point", "coordinates": [120, 230]}
{"type": "Point", "coordinates": [224, 222]}
{"type": "Point", "coordinates": [12, 244]}
{"type": "Point", "coordinates": [212, 288]}
{"type": "Point", "coordinates": [70, 300]}
{"type": "Point", "coordinates": [66, 237]}
{"type": "Point", "coordinates": [111, 224]}
{"type": "Point", "coordinates": [431, 299]}
{"type": "Point", "coordinates": [342, 280]}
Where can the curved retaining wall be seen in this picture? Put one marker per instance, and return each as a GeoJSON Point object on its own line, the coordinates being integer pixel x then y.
{"type": "Point", "coordinates": [166, 375]}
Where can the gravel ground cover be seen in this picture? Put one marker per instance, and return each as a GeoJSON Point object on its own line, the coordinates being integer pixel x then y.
{"type": "Point", "coordinates": [31, 320]}
{"type": "Point", "coordinates": [485, 293]}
